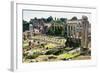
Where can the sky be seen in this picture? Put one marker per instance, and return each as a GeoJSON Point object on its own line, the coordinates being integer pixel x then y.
{"type": "Point", "coordinates": [29, 14]}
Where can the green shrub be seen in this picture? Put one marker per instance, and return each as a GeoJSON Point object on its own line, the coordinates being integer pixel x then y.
{"type": "Point", "coordinates": [33, 56]}
{"type": "Point", "coordinates": [54, 52]}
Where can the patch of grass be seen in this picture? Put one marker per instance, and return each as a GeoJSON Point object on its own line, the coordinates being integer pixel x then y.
{"type": "Point", "coordinates": [25, 45]}
{"type": "Point", "coordinates": [68, 55]}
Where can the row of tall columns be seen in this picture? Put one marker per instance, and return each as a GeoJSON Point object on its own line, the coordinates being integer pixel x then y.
{"type": "Point", "coordinates": [72, 31]}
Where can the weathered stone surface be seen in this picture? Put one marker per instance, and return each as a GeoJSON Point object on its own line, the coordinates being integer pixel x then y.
{"type": "Point", "coordinates": [42, 58]}
{"type": "Point", "coordinates": [85, 26]}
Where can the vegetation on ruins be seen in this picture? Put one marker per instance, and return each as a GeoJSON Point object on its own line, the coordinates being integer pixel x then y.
{"type": "Point", "coordinates": [53, 42]}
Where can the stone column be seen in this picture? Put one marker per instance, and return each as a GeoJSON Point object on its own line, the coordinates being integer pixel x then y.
{"type": "Point", "coordinates": [67, 31]}
{"type": "Point", "coordinates": [84, 39]}
{"type": "Point", "coordinates": [31, 30]}
{"type": "Point", "coordinates": [75, 30]}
